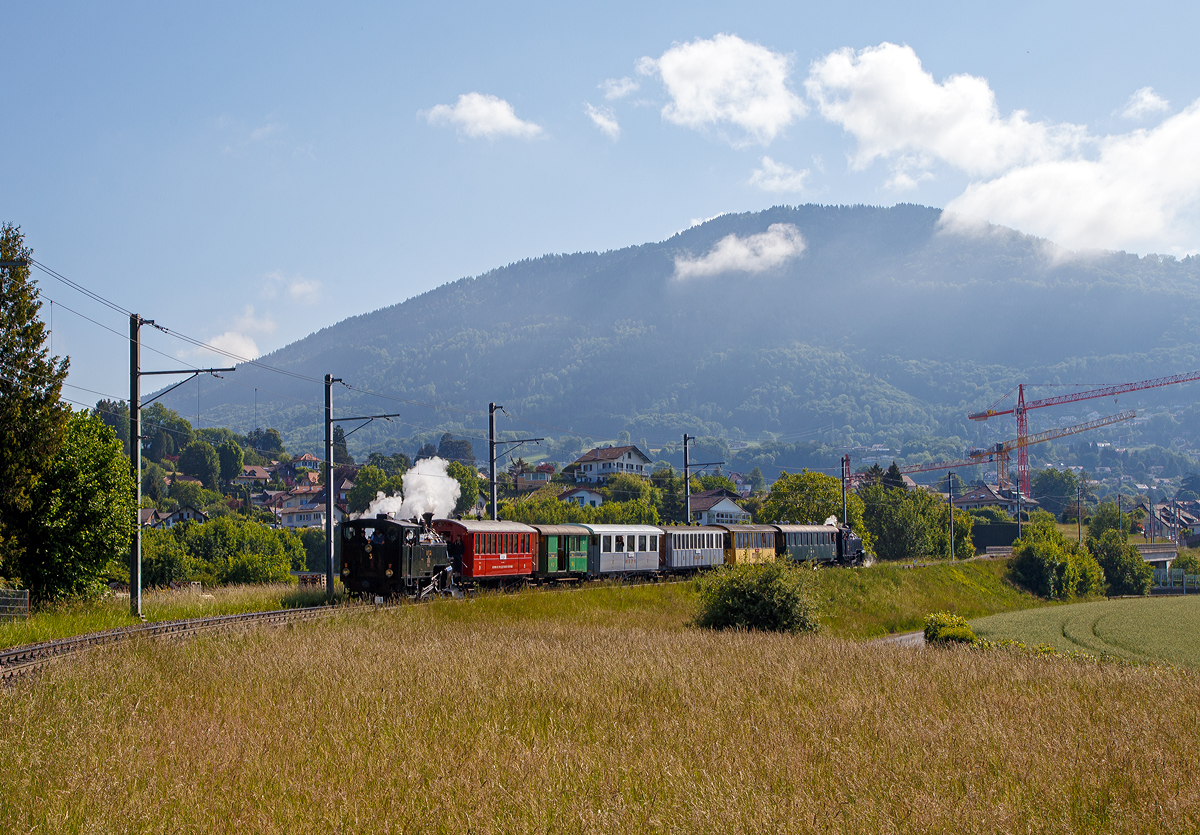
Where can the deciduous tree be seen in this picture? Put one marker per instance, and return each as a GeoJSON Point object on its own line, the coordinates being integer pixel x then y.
{"type": "Point", "coordinates": [230, 456]}
{"type": "Point", "coordinates": [468, 485]}
{"type": "Point", "coordinates": [199, 459]}
{"type": "Point", "coordinates": [369, 482]}
{"type": "Point", "coordinates": [82, 513]}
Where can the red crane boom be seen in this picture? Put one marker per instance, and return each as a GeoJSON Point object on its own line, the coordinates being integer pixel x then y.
{"type": "Point", "coordinates": [999, 452]}
{"type": "Point", "coordinates": [1107, 391]}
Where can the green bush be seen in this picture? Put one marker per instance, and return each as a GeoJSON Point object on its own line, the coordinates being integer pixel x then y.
{"type": "Point", "coordinates": [769, 597]}
{"type": "Point", "coordinates": [1124, 568]}
{"type": "Point", "coordinates": [1051, 566]}
{"type": "Point", "coordinates": [943, 627]}
{"type": "Point", "coordinates": [1187, 562]}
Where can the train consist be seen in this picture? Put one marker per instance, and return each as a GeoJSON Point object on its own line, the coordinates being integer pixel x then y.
{"type": "Point", "coordinates": [387, 556]}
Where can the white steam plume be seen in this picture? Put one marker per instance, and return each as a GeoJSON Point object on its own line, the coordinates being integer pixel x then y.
{"type": "Point", "coordinates": [832, 520]}
{"type": "Point", "coordinates": [428, 488]}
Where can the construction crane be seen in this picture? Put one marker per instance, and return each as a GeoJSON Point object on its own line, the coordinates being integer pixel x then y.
{"type": "Point", "coordinates": [1022, 408]}
{"type": "Point", "coordinates": [999, 453]}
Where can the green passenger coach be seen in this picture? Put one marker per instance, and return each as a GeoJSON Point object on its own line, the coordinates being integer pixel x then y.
{"type": "Point", "coordinates": [808, 543]}
{"type": "Point", "coordinates": [562, 550]}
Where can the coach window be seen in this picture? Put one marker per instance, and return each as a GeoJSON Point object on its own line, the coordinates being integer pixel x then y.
{"type": "Point", "coordinates": [641, 543]}
{"type": "Point", "coordinates": [620, 543]}
{"type": "Point", "coordinates": [606, 544]}
{"type": "Point", "coordinates": [654, 543]}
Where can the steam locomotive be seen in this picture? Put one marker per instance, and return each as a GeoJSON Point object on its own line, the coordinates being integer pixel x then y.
{"type": "Point", "coordinates": [419, 557]}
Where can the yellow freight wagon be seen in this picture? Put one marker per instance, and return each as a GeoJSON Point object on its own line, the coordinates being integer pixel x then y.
{"type": "Point", "coordinates": [745, 544]}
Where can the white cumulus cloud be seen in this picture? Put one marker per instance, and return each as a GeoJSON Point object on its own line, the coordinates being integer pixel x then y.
{"type": "Point", "coordinates": [618, 88]}
{"type": "Point", "coordinates": [297, 288]}
{"type": "Point", "coordinates": [897, 111]}
{"type": "Point", "coordinates": [1145, 102]}
{"type": "Point", "coordinates": [603, 118]}
{"type": "Point", "coordinates": [482, 116]}
{"type": "Point", "coordinates": [1139, 192]}
{"type": "Point", "coordinates": [240, 340]}
{"type": "Point", "coordinates": [778, 177]}
{"type": "Point", "coordinates": [727, 81]}
{"type": "Point", "coordinates": [752, 254]}
{"type": "Point", "coordinates": [238, 344]}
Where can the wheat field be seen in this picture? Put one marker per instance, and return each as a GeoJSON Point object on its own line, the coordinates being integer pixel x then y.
{"type": "Point", "coordinates": [589, 714]}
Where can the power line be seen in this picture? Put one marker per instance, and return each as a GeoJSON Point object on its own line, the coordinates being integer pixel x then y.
{"type": "Point", "coordinates": [91, 295]}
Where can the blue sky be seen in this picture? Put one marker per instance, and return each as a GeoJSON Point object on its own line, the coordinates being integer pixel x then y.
{"type": "Point", "coordinates": [250, 176]}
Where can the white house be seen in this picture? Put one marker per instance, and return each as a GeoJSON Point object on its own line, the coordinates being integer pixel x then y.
{"type": "Point", "coordinates": [583, 497]}
{"type": "Point", "coordinates": [717, 507]}
{"type": "Point", "coordinates": [185, 513]}
{"type": "Point", "coordinates": [597, 465]}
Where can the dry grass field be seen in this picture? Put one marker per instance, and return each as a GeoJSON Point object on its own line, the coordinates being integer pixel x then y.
{"type": "Point", "coordinates": [593, 711]}
{"type": "Point", "coordinates": [1148, 629]}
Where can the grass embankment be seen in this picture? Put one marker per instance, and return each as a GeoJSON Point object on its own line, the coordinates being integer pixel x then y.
{"type": "Point", "coordinates": [884, 599]}
{"type": "Point", "coordinates": [1154, 629]}
{"type": "Point", "coordinates": [856, 603]}
{"type": "Point", "coordinates": [588, 711]}
{"type": "Point", "coordinates": [61, 621]}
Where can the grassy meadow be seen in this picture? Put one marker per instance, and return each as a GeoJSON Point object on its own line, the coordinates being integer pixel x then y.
{"type": "Point", "coordinates": [885, 598]}
{"type": "Point", "coordinates": [76, 618]}
{"type": "Point", "coordinates": [591, 711]}
{"type": "Point", "coordinates": [1149, 629]}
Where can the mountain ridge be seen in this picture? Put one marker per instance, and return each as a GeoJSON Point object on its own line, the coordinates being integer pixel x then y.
{"type": "Point", "coordinates": [885, 326]}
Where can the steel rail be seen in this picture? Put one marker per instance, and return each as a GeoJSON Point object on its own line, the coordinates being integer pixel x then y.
{"type": "Point", "coordinates": [19, 660]}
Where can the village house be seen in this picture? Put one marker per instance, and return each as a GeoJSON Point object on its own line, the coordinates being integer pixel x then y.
{"type": "Point", "coordinates": [304, 507]}
{"type": "Point", "coordinates": [717, 507]}
{"type": "Point", "coordinates": [253, 476]}
{"type": "Point", "coordinates": [184, 513]}
{"type": "Point", "coordinates": [583, 497]}
{"type": "Point", "coordinates": [983, 496]}
{"type": "Point", "coordinates": [597, 465]}
{"type": "Point", "coordinates": [540, 477]}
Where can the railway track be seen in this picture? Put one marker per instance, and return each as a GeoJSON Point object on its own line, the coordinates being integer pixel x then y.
{"type": "Point", "coordinates": [20, 660]}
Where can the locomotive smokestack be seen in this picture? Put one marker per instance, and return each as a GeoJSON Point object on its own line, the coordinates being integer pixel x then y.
{"type": "Point", "coordinates": [428, 519]}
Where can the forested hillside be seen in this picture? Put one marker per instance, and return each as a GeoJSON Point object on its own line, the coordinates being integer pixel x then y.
{"type": "Point", "coordinates": [885, 328]}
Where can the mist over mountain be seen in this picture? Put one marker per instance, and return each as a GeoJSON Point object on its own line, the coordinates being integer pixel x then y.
{"type": "Point", "coordinates": [844, 324]}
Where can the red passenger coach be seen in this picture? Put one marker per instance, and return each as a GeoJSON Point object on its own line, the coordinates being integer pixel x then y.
{"type": "Point", "coordinates": [485, 550]}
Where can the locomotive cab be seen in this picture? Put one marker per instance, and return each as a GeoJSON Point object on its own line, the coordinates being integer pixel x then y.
{"type": "Point", "coordinates": [385, 556]}
{"type": "Point", "coordinates": [850, 546]}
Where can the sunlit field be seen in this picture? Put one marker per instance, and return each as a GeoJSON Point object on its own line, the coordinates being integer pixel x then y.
{"type": "Point", "coordinates": [1151, 629]}
{"type": "Point", "coordinates": [594, 711]}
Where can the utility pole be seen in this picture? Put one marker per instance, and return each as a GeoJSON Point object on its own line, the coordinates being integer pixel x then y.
{"type": "Point", "coordinates": [845, 478]}
{"type": "Point", "coordinates": [330, 487]}
{"type": "Point", "coordinates": [135, 459]}
{"type": "Point", "coordinates": [493, 443]}
{"type": "Point", "coordinates": [135, 447]}
{"type": "Point", "coordinates": [950, 486]}
{"type": "Point", "coordinates": [1079, 510]}
{"type": "Point", "coordinates": [329, 381]}
{"type": "Point", "coordinates": [492, 407]}
{"type": "Point", "coordinates": [687, 481]}
{"type": "Point", "coordinates": [1018, 510]}
{"type": "Point", "coordinates": [687, 476]}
